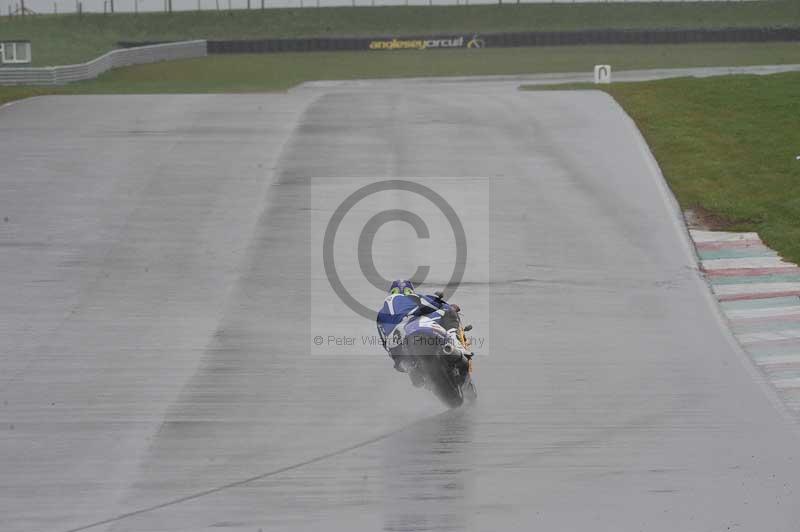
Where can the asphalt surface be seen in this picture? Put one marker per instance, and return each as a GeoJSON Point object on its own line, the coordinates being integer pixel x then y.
{"type": "Point", "coordinates": [156, 373]}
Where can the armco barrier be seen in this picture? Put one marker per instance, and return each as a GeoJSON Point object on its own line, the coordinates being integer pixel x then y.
{"type": "Point", "coordinates": [502, 40]}
{"type": "Point", "coordinates": [60, 75]}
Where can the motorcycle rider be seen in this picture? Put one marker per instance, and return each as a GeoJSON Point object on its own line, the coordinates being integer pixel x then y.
{"type": "Point", "coordinates": [403, 303]}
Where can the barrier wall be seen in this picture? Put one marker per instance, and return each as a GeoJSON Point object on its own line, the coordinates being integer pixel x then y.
{"type": "Point", "coordinates": [60, 75]}
{"type": "Point", "coordinates": [499, 40]}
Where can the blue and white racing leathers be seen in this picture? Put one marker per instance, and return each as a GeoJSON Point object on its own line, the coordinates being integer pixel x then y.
{"type": "Point", "coordinates": [398, 308]}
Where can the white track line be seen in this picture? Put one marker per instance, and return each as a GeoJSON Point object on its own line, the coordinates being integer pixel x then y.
{"type": "Point", "coordinates": [768, 336]}
{"type": "Point", "coordinates": [746, 262]}
{"type": "Point", "coordinates": [721, 236]}
{"type": "Point", "coordinates": [778, 359]}
{"type": "Point", "coordinates": [769, 312]}
{"type": "Point", "coordinates": [754, 288]}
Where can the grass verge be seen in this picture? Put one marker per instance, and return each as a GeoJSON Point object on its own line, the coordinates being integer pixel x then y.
{"type": "Point", "coordinates": [728, 148]}
{"type": "Point", "coordinates": [275, 72]}
{"type": "Point", "coordinates": [66, 39]}
{"type": "Point", "coordinates": [9, 94]}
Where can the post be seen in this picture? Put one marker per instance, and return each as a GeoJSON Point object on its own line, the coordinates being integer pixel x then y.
{"type": "Point", "coordinates": [248, 5]}
{"type": "Point", "coordinates": [262, 5]}
{"type": "Point", "coordinates": [217, 5]}
{"type": "Point", "coordinates": [135, 7]}
{"type": "Point", "coordinates": [229, 6]}
{"type": "Point", "coordinates": [22, 7]}
{"type": "Point", "coordinates": [112, 5]}
{"type": "Point", "coordinates": [169, 3]}
{"type": "Point", "coordinates": [602, 74]}
{"type": "Point", "coordinates": [198, 6]}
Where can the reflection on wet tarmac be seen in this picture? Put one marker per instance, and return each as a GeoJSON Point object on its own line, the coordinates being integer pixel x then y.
{"type": "Point", "coordinates": [427, 474]}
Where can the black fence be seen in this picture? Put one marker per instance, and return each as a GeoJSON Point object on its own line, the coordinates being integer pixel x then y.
{"type": "Point", "coordinates": [501, 40]}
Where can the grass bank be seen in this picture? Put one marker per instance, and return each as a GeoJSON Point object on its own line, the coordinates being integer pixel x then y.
{"type": "Point", "coordinates": [274, 72]}
{"type": "Point", "coordinates": [9, 94]}
{"type": "Point", "coordinates": [728, 148]}
{"type": "Point", "coordinates": [65, 39]}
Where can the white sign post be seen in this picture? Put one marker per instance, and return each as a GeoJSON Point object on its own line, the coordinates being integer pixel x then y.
{"type": "Point", "coordinates": [602, 73]}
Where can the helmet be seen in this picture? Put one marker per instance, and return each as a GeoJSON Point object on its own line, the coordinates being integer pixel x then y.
{"type": "Point", "coordinates": [402, 287]}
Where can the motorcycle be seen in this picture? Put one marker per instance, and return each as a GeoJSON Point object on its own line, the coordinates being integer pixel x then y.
{"type": "Point", "coordinates": [434, 358]}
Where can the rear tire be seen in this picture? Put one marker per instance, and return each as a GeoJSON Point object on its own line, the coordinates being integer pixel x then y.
{"type": "Point", "coordinates": [442, 385]}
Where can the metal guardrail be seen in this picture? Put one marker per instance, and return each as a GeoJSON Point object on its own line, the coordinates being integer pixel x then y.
{"type": "Point", "coordinates": [60, 75]}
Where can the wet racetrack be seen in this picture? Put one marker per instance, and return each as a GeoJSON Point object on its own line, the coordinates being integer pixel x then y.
{"type": "Point", "coordinates": [155, 293]}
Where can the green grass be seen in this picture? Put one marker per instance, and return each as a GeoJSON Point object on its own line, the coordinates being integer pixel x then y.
{"type": "Point", "coordinates": [271, 72]}
{"type": "Point", "coordinates": [65, 39]}
{"type": "Point", "coordinates": [277, 72]}
{"type": "Point", "coordinates": [9, 94]}
{"type": "Point", "coordinates": [727, 147]}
